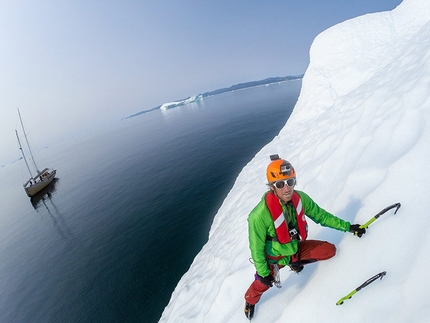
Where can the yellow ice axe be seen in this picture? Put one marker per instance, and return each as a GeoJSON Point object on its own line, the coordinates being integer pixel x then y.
{"type": "Point", "coordinates": [367, 282]}
{"type": "Point", "coordinates": [396, 205]}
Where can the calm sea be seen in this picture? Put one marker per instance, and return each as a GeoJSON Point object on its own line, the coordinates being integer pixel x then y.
{"type": "Point", "coordinates": [133, 205]}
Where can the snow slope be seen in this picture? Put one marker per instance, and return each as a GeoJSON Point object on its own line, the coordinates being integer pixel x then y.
{"type": "Point", "coordinates": [359, 139]}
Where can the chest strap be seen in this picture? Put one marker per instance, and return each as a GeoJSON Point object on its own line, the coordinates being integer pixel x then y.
{"type": "Point", "coordinates": [283, 233]}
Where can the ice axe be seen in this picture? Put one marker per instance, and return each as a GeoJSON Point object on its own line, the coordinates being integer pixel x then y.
{"type": "Point", "coordinates": [367, 282]}
{"type": "Point", "coordinates": [396, 205]}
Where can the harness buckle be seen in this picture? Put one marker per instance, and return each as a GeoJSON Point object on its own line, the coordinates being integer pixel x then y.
{"type": "Point", "coordinates": [293, 232]}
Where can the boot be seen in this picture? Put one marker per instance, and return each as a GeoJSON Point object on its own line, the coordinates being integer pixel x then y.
{"type": "Point", "coordinates": [296, 266]}
{"type": "Point", "coordinates": [249, 311]}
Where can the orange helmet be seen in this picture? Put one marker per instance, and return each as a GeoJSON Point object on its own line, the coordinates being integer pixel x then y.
{"type": "Point", "coordinates": [279, 169]}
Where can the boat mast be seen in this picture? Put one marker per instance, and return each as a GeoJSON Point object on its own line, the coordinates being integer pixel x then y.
{"type": "Point", "coordinates": [28, 145]}
{"type": "Point", "coordinates": [22, 152]}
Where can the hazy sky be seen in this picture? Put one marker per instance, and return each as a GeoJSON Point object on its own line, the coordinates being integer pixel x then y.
{"type": "Point", "coordinates": [70, 66]}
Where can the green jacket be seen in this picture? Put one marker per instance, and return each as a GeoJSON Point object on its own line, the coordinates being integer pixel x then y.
{"type": "Point", "coordinates": [260, 225]}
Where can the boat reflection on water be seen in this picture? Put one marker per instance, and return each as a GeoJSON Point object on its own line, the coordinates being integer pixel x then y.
{"type": "Point", "coordinates": [43, 203]}
{"type": "Point", "coordinates": [45, 194]}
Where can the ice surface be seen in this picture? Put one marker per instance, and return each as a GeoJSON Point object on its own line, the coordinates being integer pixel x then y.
{"type": "Point", "coordinates": [359, 139]}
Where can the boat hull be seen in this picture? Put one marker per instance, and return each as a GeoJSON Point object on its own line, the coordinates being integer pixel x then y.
{"type": "Point", "coordinates": [37, 187]}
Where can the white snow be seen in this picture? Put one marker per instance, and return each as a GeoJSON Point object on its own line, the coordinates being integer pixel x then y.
{"type": "Point", "coordinates": [359, 138]}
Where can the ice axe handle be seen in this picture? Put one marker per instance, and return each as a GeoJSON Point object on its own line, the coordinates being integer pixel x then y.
{"type": "Point", "coordinates": [396, 205]}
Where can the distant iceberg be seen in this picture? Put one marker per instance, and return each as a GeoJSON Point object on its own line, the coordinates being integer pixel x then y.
{"type": "Point", "coordinates": [175, 104]}
{"type": "Point", "coordinates": [232, 88]}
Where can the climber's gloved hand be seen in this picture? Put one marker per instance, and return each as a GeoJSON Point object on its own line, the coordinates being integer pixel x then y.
{"type": "Point", "coordinates": [268, 280]}
{"type": "Point", "coordinates": [356, 230]}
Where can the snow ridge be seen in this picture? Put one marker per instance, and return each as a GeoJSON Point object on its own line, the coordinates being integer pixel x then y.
{"type": "Point", "coordinates": [359, 140]}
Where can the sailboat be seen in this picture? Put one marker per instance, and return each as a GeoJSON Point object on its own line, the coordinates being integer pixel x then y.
{"type": "Point", "coordinates": [41, 179]}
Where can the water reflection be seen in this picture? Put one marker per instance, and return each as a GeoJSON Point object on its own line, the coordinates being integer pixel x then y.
{"type": "Point", "coordinates": [43, 200]}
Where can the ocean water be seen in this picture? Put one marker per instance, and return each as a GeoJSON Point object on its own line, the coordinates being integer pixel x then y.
{"type": "Point", "coordinates": [132, 206]}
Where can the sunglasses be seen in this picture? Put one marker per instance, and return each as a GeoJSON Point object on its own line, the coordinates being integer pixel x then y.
{"type": "Point", "coordinates": [291, 182]}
